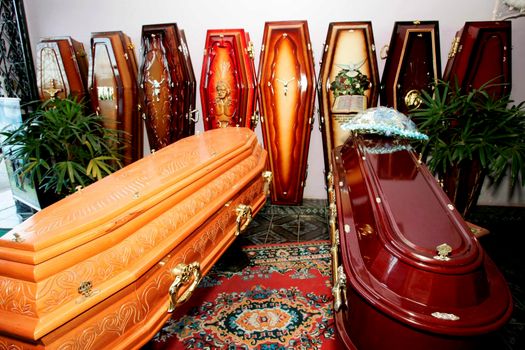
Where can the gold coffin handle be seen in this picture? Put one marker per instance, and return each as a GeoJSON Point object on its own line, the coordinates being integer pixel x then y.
{"type": "Point", "coordinates": [244, 217]}
{"type": "Point", "coordinates": [183, 274]}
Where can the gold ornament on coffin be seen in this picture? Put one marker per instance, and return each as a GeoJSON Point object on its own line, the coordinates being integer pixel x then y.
{"type": "Point", "coordinates": [443, 252]}
{"type": "Point", "coordinates": [183, 274]}
{"type": "Point", "coordinates": [244, 217]}
{"type": "Point", "coordinates": [413, 99]}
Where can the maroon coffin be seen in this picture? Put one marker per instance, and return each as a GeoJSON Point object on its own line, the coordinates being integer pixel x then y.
{"type": "Point", "coordinates": [480, 54]}
{"type": "Point", "coordinates": [412, 276]}
{"type": "Point", "coordinates": [413, 64]}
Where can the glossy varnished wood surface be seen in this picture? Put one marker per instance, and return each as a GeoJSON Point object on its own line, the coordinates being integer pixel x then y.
{"type": "Point", "coordinates": [480, 55]}
{"type": "Point", "coordinates": [392, 215]}
{"type": "Point", "coordinates": [114, 90]}
{"type": "Point", "coordinates": [413, 63]}
{"type": "Point", "coordinates": [124, 234]}
{"type": "Point", "coordinates": [286, 83]}
{"type": "Point", "coordinates": [347, 44]}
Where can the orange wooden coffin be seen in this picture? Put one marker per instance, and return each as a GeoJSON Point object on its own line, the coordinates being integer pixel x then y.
{"type": "Point", "coordinates": [228, 91]}
{"type": "Point", "coordinates": [348, 80]}
{"type": "Point", "coordinates": [413, 64]}
{"type": "Point", "coordinates": [62, 68]}
{"type": "Point", "coordinates": [286, 85]}
{"type": "Point", "coordinates": [113, 88]}
{"type": "Point", "coordinates": [481, 54]}
{"type": "Point", "coordinates": [101, 268]}
{"type": "Point", "coordinates": [408, 272]}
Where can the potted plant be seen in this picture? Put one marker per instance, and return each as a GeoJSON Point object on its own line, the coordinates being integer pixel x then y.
{"type": "Point", "coordinates": [471, 134]}
{"type": "Point", "coordinates": [60, 147]}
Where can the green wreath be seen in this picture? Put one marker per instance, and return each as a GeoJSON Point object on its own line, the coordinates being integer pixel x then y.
{"type": "Point", "coordinates": [349, 82]}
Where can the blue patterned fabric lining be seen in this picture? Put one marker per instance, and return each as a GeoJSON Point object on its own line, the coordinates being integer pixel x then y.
{"type": "Point", "coordinates": [384, 121]}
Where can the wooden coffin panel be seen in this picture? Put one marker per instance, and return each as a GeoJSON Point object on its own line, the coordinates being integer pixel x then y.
{"type": "Point", "coordinates": [348, 45]}
{"type": "Point", "coordinates": [481, 54]}
{"type": "Point", "coordinates": [61, 68]}
{"type": "Point", "coordinates": [191, 111]}
{"type": "Point", "coordinates": [227, 80]}
{"type": "Point", "coordinates": [413, 64]}
{"type": "Point", "coordinates": [392, 220]}
{"type": "Point", "coordinates": [114, 91]}
{"type": "Point", "coordinates": [124, 235]}
{"type": "Point", "coordinates": [286, 83]}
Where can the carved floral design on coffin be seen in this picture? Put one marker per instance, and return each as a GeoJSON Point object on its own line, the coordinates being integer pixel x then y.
{"type": "Point", "coordinates": [413, 64]}
{"type": "Point", "coordinates": [287, 96]}
{"type": "Point", "coordinates": [145, 210]}
{"type": "Point", "coordinates": [348, 45]}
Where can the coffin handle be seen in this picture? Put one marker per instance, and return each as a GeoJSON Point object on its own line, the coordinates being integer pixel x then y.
{"type": "Point", "coordinates": [267, 176]}
{"type": "Point", "coordinates": [195, 113]}
{"type": "Point", "coordinates": [254, 120]}
{"type": "Point", "coordinates": [244, 217]}
{"type": "Point", "coordinates": [183, 274]}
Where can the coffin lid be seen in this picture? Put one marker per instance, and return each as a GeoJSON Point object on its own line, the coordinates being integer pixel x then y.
{"type": "Point", "coordinates": [95, 211]}
{"type": "Point", "coordinates": [393, 219]}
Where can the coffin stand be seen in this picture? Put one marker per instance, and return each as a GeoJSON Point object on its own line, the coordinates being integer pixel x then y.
{"type": "Point", "coordinates": [114, 91]}
{"type": "Point", "coordinates": [480, 54]}
{"type": "Point", "coordinates": [62, 68]}
{"type": "Point", "coordinates": [228, 84]}
{"type": "Point", "coordinates": [286, 85]}
{"type": "Point", "coordinates": [407, 271]}
{"type": "Point", "coordinates": [348, 45]}
{"type": "Point", "coordinates": [101, 268]}
{"type": "Point", "coordinates": [413, 64]}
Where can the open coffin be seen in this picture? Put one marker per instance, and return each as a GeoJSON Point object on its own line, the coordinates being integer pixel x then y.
{"type": "Point", "coordinates": [100, 268]}
{"type": "Point", "coordinates": [286, 86]}
{"type": "Point", "coordinates": [411, 274]}
{"type": "Point", "coordinates": [413, 64]}
{"type": "Point", "coordinates": [62, 68]}
{"type": "Point", "coordinates": [228, 91]}
{"type": "Point", "coordinates": [113, 87]}
{"type": "Point", "coordinates": [481, 54]}
{"type": "Point", "coordinates": [348, 80]}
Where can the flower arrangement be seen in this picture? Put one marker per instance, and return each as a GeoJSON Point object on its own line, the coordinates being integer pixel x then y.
{"type": "Point", "coordinates": [349, 81]}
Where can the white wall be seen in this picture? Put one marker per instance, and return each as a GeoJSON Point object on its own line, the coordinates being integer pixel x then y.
{"type": "Point", "coordinates": [78, 18]}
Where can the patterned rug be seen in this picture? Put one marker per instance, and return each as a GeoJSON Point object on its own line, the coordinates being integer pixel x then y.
{"type": "Point", "coordinates": [281, 300]}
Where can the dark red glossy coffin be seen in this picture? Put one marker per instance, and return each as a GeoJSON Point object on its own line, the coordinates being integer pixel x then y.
{"type": "Point", "coordinates": [349, 46]}
{"type": "Point", "coordinates": [167, 85]}
{"type": "Point", "coordinates": [62, 68]}
{"type": "Point", "coordinates": [481, 54]}
{"type": "Point", "coordinates": [191, 88]}
{"type": "Point", "coordinates": [113, 88]}
{"type": "Point", "coordinates": [228, 90]}
{"type": "Point", "coordinates": [287, 90]}
{"type": "Point", "coordinates": [412, 276]}
{"type": "Point", "coordinates": [413, 64]}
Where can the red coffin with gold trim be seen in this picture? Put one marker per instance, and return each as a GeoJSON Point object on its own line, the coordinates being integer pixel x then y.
{"type": "Point", "coordinates": [114, 90]}
{"type": "Point", "coordinates": [481, 54]}
{"type": "Point", "coordinates": [167, 85]}
{"type": "Point", "coordinates": [349, 47]}
{"type": "Point", "coordinates": [287, 91]}
{"type": "Point", "coordinates": [228, 91]}
{"type": "Point", "coordinates": [96, 269]}
{"type": "Point", "coordinates": [413, 64]}
{"type": "Point", "coordinates": [411, 274]}
{"type": "Point", "coordinates": [62, 68]}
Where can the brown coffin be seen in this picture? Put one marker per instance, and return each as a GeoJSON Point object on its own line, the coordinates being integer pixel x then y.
{"type": "Point", "coordinates": [412, 276]}
{"type": "Point", "coordinates": [113, 88]}
{"type": "Point", "coordinates": [286, 85]}
{"type": "Point", "coordinates": [479, 55]}
{"type": "Point", "coordinates": [191, 88]}
{"type": "Point", "coordinates": [413, 64]}
{"type": "Point", "coordinates": [62, 68]}
{"type": "Point", "coordinates": [95, 270]}
{"type": "Point", "coordinates": [348, 46]}
{"type": "Point", "coordinates": [228, 91]}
